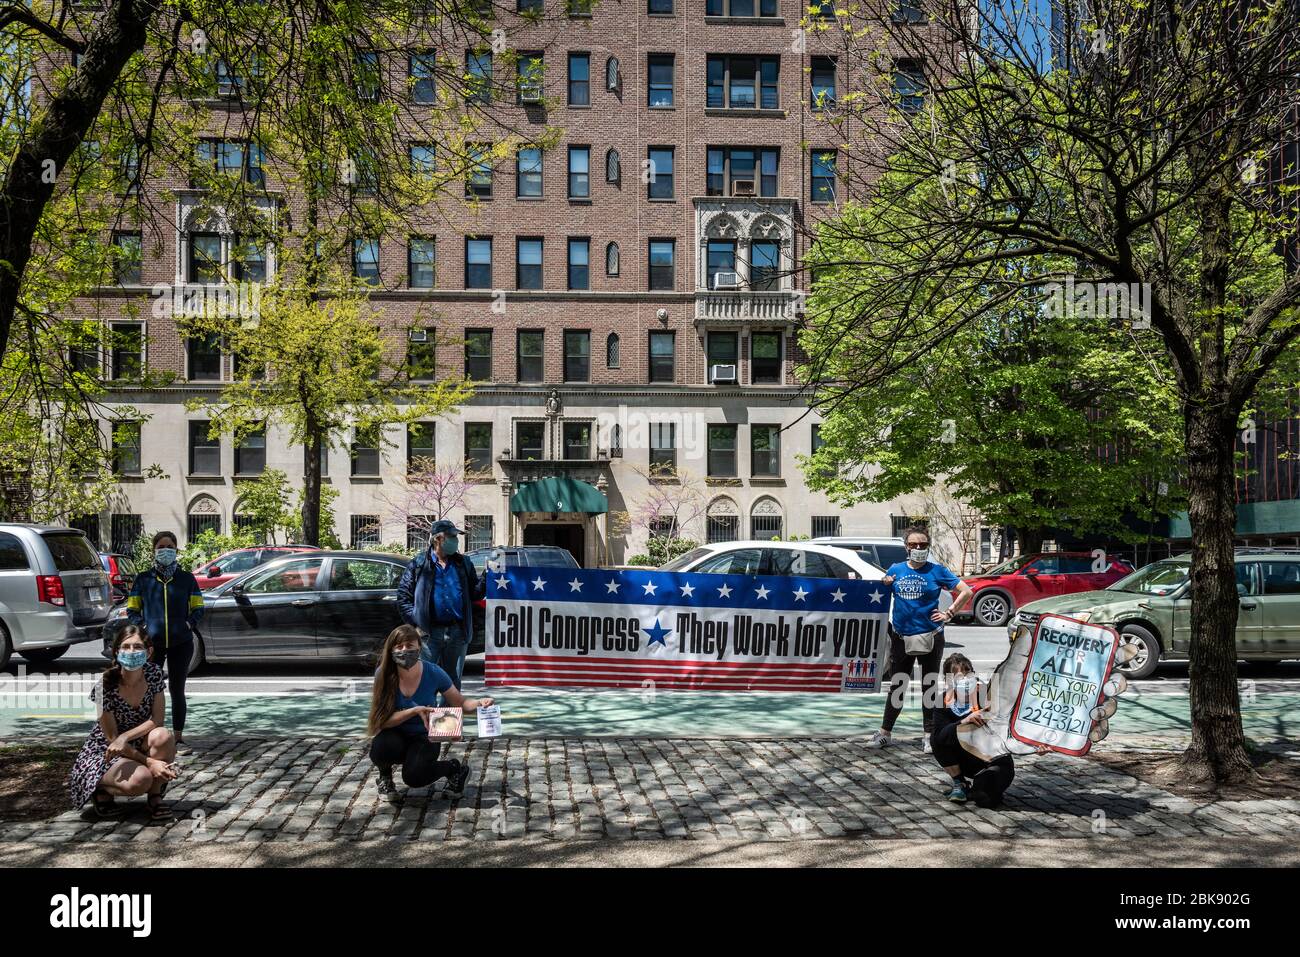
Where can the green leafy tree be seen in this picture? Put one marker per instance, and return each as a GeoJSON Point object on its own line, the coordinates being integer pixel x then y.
{"type": "Point", "coordinates": [267, 505]}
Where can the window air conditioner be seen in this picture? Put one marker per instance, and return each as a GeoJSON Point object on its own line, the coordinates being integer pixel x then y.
{"type": "Point", "coordinates": [726, 280]}
{"type": "Point", "coordinates": [722, 373]}
{"type": "Point", "coordinates": [743, 187]}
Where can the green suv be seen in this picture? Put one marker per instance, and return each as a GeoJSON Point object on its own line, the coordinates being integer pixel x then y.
{"type": "Point", "coordinates": [1152, 609]}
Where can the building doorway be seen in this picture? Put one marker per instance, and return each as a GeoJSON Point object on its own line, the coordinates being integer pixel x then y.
{"type": "Point", "coordinates": [570, 536]}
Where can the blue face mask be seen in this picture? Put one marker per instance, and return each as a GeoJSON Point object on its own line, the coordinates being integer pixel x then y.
{"type": "Point", "coordinates": [132, 660]}
{"type": "Point", "coordinates": [165, 557]}
{"type": "Point", "coordinates": [450, 546]}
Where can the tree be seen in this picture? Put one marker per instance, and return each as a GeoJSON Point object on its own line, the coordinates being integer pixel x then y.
{"type": "Point", "coordinates": [266, 506]}
{"type": "Point", "coordinates": [1130, 160]}
{"type": "Point", "coordinates": [428, 492]}
{"type": "Point", "coordinates": [670, 513]}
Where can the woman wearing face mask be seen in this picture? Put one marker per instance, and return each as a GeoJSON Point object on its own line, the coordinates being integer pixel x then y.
{"type": "Point", "coordinates": [916, 631]}
{"type": "Point", "coordinates": [129, 752]}
{"type": "Point", "coordinates": [406, 691]}
{"type": "Point", "coordinates": [167, 603]}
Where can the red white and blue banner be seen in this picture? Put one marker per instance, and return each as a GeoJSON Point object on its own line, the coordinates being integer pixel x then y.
{"type": "Point", "coordinates": [557, 627]}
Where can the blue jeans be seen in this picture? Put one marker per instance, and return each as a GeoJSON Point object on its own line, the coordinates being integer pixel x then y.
{"type": "Point", "coordinates": [445, 646]}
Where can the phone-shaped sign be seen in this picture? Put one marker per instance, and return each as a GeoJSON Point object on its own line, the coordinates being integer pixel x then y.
{"type": "Point", "coordinates": [1062, 694]}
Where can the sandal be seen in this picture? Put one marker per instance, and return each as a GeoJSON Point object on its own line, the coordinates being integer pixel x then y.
{"type": "Point", "coordinates": [157, 810]}
{"type": "Point", "coordinates": [105, 806]}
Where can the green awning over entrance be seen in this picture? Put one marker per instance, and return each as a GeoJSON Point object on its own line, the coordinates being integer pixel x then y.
{"type": "Point", "coordinates": [559, 494]}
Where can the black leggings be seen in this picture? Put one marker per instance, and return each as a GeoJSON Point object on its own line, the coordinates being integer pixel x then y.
{"type": "Point", "coordinates": [176, 658]}
{"type": "Point", "coordinates": [993, 777]}
{"type": "Point", "coordinates": [900, 674]}
{"type": "Point", "coordinates": [417, 755]}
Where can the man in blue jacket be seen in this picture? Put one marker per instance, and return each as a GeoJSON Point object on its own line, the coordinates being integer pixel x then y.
{"type": "Point", "coordinates": [437, 594]}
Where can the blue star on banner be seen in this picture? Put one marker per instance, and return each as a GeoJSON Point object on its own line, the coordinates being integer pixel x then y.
{"type": "Point", "coordinates": [657, 634]}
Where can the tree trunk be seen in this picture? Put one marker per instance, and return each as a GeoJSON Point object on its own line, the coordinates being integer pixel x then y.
{"type": "Point", "coordinates": [311, 491]}
{"type": "Point", "coordinates": [1218, 750]}
{"type": "Point", "coordinates": [1030, 540]}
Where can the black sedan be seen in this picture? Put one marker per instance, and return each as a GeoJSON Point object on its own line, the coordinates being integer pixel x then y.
{"type": "Point", "coordinates": [321, 606]}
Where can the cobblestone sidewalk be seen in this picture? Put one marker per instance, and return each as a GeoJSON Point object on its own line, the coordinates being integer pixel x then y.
{"type": "Point", "coordinates": [323, 789]}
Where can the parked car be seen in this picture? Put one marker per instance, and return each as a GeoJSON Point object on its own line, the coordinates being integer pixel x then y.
{"type": "Point", "coordinates": [234, 563]}
{"type": "Point", "coordinates": [1027, 578]}
{"type": "Point", "coordinates": [54, 592]}
{"type": "Point", "coordinates": [1151, 608]}
{"type": "Point", "coordinates": [317, 606]}
{"type": "Point", "coordinates": [881, 552]}
{"type": "Point", "coordinates": [775, 558]}
{"type": "Point", "coordinates": [498, 557]}
{"type": "Point", "coordinates": [121, 574]}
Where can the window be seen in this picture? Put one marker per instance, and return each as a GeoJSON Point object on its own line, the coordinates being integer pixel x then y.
{"type": "Point", "coordinates": [662, 269]}
{"type": "Point", "coordinates": [250, 453]}
{"type": "Point", "coordinates": [579, 8]}
{"type": "Point", "coordinates": [530, 440]}
{"type": "Point", "coordinates": [365, 452]}
{"type": "Point", "coordinates": [528, 172]}
{"type": "Point", "coordinates": [419, 445]}
{"type": "Point", "coordinates": [742, 82]}
{"type": "Point", "coordinates": [663, 350]}
{"type": "Point", "coordinates": [661, 8]}
{"type": "Point", "coordinates": [204, 354]}
{"type": "Point", "coordinates": [237, 158]}
{"type": "Point", "coordinates": [478, 448]}
{"type": "Point", "coordinates": [359, 574]}
{"type": "Point", "coordinates": [722, 528]}
{"type": "Point", "coordinates": [423, 160]}
{"type": "Point", "coordinates": [422, 354]}
{"type": "Point", "coordinates": [740, 8]}
{"type": "Point", "coordinates": [577, 441]}
{"type": "Point", "coordinates": [530, 70]}
{"type": "Point", "coordinates": [528, 262]}
{"type": "Point", "coordinates": [909, 85]}
{"type": "Point", "coordinates": [14, 558]}
{"type": "Point", "coordinates": [613, 75]}
{"type": "Point", "coordinates": [124, 529]}
{"type": "Point", "coordinates": [478, 263]}
{"type": "Point", "coordinates": [529, 348]}
{"type": "Point", "coordinates": [579, 172]}
{"type": "Point", "coordinates": [130, 171]}
{"type": "Point", "coordinates": [765, 357]}
{"type": "Point", "coordinates": [723, 349]}
{"type": "Point", "coordinates": [742, 171]}
{"type": "Point", "coordinates": [765, 450]}
{"type": "Point", "coordinates": [198, 523]}
{"type": "Point", "coordinates": [478, 182]}
{"type": "Point", "coordinates": [579, 79]}
{"type": "Point", "coordinates": [616, 442]}
{"type": "Point", "coordinates": [720, 263]}
{"type": "Point", "coordinates": [722, 451]}
{"type": "Point", "coordinates": [577, 355]}
{"type": "Point", "coordinates": [478, 354]}
{"type": "Point", "coordinates": [663, 448]}
{"type": "Point", "coordinates": [612, 356]}
{"type": "Point", "coordinates": [127, 350]}
{"type": "Point", "coordinates": [529, 6]}
{"type": "Point", "coordinates": [823, 83]}
{"type": "Point", "coordinates": [205, 450]}
{"type": "Point", "coordinates": [661, 172]}
{"type": "Point", "coordinates": [127, 258]}
{"type": "Point", "coordinates": [417, 531]}
{"type": "Point", "coordinates": [899, 524]}
{"type": "Point", "coordinates": [660, 69]}
{"type": "Point", "coordinates": [826, 526]}
{"type": "Point", "coordinates": [421, 69]}
{"type": "Point", "coordinates": [478, 70]}
{"type": "Point", "coordinates": [126, 448]}
{"type": "Point", "coordinates": [248, 260]}
{"type": "Point", "coordinates": [821, 9]}
{"type": "Point", "coordinates": [766, 526]}
{"type": "Point", "coordinates": [579, 262]}
{"type": "Point", "coordinates": [478, 532]}
{"type": "Point", "coordinates": [611, 259]}
{"type": "Point", "coordinates": [204, 261]}
{"type": "Point", "coordinates": [366, 71]}
{"type": "Point", "coordinates": [365, 260]}
{"type": "Point", "coordinates": [908, 11]}
{"type": "Point", "coordinates": [83, 352]}
{"type": "Point", "coordinates": [764, 265]}
{"type": "Point", "coordinates": [420, 260]}
{"type": "Point", "coordinates": [823, 176]}
{"type": "Point", "coordinates": [365, 533]}
{"type": "Point", "coordinates": [613, 167]}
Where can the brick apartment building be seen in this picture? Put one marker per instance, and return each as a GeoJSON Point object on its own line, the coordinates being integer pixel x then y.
{"type": "Point", "coordinates": [614, 324]}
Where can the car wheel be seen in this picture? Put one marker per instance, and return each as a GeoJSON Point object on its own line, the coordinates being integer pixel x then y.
{"type": "Point", "coordinates": [993, 609]}
{"type": "Point", "coordinates": [196, 658]}
{"type": "Point", "coordinates": [6, 646]}
{"type": "Point", "coordinates": [1143, 664]}
{"type": "Point", "coordinates": [43, 656]}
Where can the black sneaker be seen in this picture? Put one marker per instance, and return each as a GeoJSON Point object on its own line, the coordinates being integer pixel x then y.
{"type": "Point", "coordinates": [456, 780]}
{"type": "Point", "coordinates": [387, 789]}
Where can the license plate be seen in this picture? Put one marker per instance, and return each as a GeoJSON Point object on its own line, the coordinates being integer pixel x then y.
{"type": "Point", "coordinates": [96, 594]}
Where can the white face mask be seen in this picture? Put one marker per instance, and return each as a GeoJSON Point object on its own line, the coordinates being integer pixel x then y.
{"type": "Point", "coordinates": [919, 555]}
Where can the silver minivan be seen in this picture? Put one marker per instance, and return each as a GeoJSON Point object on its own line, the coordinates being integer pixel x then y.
{"type": "Point", "coordinates": [54, 592]}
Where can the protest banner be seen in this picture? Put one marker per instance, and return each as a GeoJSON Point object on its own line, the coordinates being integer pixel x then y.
{"type": "Point", "coordinates": [683, 631]}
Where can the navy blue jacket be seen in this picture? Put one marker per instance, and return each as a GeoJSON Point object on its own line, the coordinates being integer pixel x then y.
{"type": "Point", "coordinates": [167, 608]}
{"type": "Point", "coordinates": [415, 591]}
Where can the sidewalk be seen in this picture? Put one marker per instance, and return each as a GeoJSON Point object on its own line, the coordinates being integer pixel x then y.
{"type": "Point", "coordinates": [313, 800]}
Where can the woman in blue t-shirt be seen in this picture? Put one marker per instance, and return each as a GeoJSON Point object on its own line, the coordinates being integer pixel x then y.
{"type": "Point", "coordinates": [916, 631]}
{"type": "Point", "coordinates": [406, 691]}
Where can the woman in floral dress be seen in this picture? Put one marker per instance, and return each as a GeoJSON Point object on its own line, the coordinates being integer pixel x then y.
{"type": "Point", "coordinates": [129, 752]}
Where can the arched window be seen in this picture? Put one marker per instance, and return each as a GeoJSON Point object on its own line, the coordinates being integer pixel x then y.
{"type": "Point", "coordinates": [613, 167]}
{"type": "Point", "coordinates": [613, 76]}
{"type": "Point", "coordinates": [611, 259]}
{"type": "Point", "coordinates": [611, 352]}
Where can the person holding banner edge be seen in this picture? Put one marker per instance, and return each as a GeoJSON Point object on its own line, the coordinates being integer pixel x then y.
{"type": "Point", "coordinates": [916, 631]}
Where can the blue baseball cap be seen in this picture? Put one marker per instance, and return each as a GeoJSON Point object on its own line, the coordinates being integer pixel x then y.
{"type": "Point", "coordinates": [445, 527]}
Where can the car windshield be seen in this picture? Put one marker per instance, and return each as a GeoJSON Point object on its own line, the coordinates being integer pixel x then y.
{"type": "Point", "coordinates": [684, 561]}
{"type": "Point", "coordinates": [1158, 578]}
{"type": "Point", "coordinates": [548, 556]}
{"type": "Point", "coordinates": [1009, 566]}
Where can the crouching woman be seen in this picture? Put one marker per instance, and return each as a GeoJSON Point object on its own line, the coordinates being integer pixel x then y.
{"type": "Point", "coordinates": [405, 693]}
{"type": "Point", "coordinates": [128, 752]}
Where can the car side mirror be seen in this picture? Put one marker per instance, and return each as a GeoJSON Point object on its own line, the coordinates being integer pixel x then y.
{"type": "Point", "coordinates": [1031, 571]}
{"type": "Point", "coordinates": [236, 589]}
{"type": "Point", "coordinates": [214, 571]}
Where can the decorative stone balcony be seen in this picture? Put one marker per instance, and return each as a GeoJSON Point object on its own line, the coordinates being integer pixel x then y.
{"type": "Point", "coordinates": [745, 220]}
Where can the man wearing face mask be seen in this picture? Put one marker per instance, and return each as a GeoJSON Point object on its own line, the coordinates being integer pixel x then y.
{"type": "Point", "coordinates": [916, 632]}
{"type": "Point", "coordinates": [437, 594]}
{"type": "Point", "coordinates": [167, 602]}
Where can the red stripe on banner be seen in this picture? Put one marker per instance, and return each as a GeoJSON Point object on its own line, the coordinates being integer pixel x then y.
{"type": "Point", "coordinates": [791, 666]}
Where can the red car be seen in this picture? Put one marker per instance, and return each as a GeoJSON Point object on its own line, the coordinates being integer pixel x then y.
{"type": "Point", "coordinates": [1001, 590]}
{"type": "Point", "coordinates": [234, 563]}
